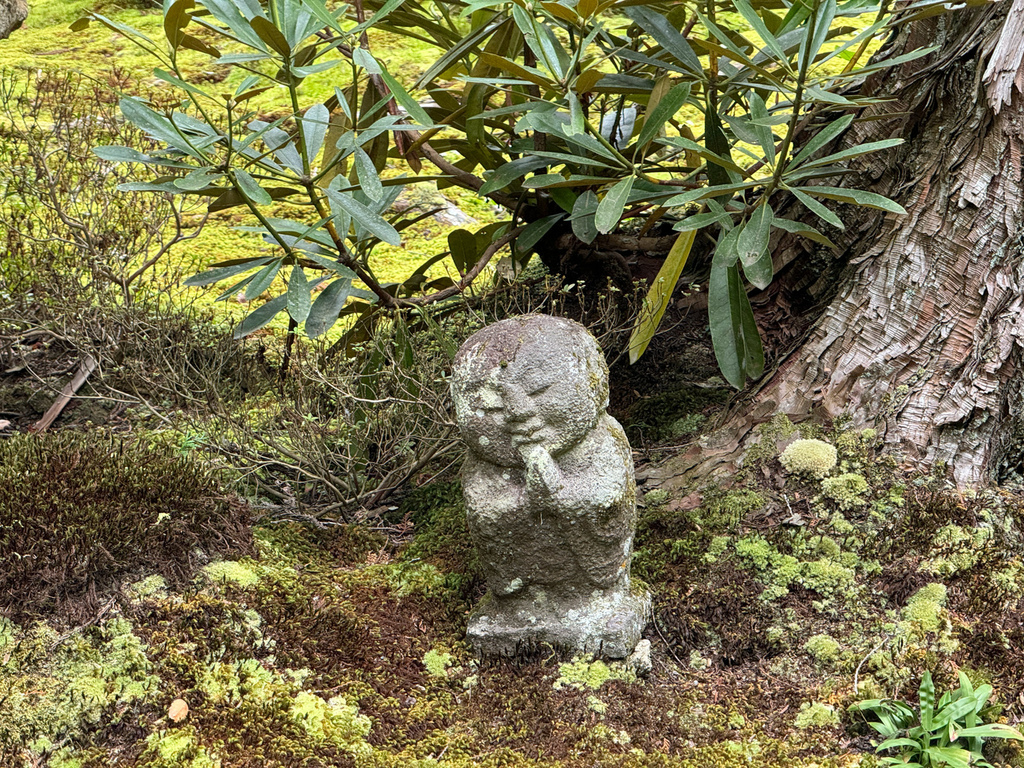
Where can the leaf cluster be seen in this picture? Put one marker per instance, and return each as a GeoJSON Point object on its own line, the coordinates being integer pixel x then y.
{"type": "Point", "coordinates": [579, 119]}
{"type": "Point", "coordinates": [949, 731]}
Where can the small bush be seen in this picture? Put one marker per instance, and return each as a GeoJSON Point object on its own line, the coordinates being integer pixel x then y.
{"type": "Point", "coordinates": [77, 511]}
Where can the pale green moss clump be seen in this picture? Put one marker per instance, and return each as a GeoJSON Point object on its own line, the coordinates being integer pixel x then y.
{"type": "Point", "coordinates": [924, 610]}
{"type": "Point", "coordinates": [816, 715]}
{"type": "Point", "coordinates": [815, 458]}
{"type": "Point", "coordinates": [717, 548]}
{"type": "Point", "coordinates": [177, 748]}
{"type": "Point", "coordinates": [332, 722]}
{"type": "Point", "coordinates": [656, 497]}
{"type": "Point", "coordinates": [847, 490]}
{"type": "Point", "coordinates": [828, 576]}
{"type": "Point", "coordinates": [53, 688]}
{"type": "Point", "coordinates": [150, 588]}
{"type": "Point", "coordinates": [229, 683]}
{"type": "Point", "coordinates": [956, 549]}
{"type": "Point", "coordinates": [437, 663]}
{"type": "Point", "coordinates": [583, 672]}
{"type": "Point", "coordinates": [239, 573]}
{"type": "Point", "coordinates": [823, 648]}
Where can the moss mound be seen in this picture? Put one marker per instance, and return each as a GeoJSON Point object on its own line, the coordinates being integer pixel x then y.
{"type": "Point", "coordinates": [78, 511]}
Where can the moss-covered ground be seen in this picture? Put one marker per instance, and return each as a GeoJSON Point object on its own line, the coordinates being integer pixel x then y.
{"type": "Point", "coordinates": [798, 589]}
{"type": "Point", "coordinates": [778, 604]}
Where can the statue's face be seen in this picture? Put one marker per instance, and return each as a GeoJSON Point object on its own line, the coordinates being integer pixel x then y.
{"type": "Point", "coordinates": [506, 409]}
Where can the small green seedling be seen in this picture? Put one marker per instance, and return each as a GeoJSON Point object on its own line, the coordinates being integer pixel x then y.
{"type": "Point", "coordinates": [949, 732]}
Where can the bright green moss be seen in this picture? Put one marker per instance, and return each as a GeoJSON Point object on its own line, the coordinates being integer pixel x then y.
{"type": "Point", "coordinates": [816, 715]}
{"type": "Point", "coordinates": [150, 588]}
{"type": "Point", "coordinates": [924, 610]}
{"type": "Point", "coordinates": [656, 497]}
{"type": "Point", "coordinates": [238, 572]}
{"type": "Point", "coordinates": [176, 748]}
{"type": "Point", "coordinates": [335, 722]}
{"type": "Point", "coordinates": [228, 683]}
{"type": "Point", "coordinates": [584, 673]}
{"type": "Point", "coordinates": [846, 490]}
{"type": "Point", "coordinates": [717, 547]}
{"type": "Point", "coordinates": [826, 577]}
{"type": "Point", "coordinates": [437, 663]}
{"type": "Point", "coordinates": [956, 549]}
{"type": "Point", "coordinates": [53, 688]}
{"type": "Point", "coordinates": [769, 434]}
{"type": "Point", "coordinates": [823, 648]}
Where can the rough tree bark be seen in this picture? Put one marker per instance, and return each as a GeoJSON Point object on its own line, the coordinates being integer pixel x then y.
{"type": "Point", "coordinates": [924, 338]}
{"type": "Point", "coordinates": [12, 14]}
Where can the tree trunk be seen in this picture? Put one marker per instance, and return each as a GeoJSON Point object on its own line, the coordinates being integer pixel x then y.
{"type": "Point", "coordinates": [924, 338]}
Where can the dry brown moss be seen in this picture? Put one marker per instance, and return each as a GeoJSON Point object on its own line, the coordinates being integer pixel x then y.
{"type": "Point", "coordinates": [78, 511]}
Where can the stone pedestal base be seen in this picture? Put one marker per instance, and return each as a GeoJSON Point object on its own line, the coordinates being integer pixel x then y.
{"type": "Point", "coordinates": [605, 623]}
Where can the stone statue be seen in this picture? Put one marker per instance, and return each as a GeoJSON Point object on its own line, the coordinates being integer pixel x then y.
{"type": "Point", "coordinates": [549, 488]}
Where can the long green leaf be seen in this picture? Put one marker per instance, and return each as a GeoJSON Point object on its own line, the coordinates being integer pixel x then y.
{"type": "Point", "coordinates": [758, 25]}
{"type": "Point", "coordinates": [582, 219]}
{"type": "Point", "coordinates": [669, 105]}
{"type": "Point", "coordinates": [734, 334]}
{"type": "Point", "coordinates": [260, 317]}
{"type": "Point", "coordinates": [372, 222]}
{"type": "Point", "coordinates": [821, 138]}
{"type": "Point", "coordinates": [369, 179]}
{"type": "Point", "coordinates": [176, 18]}
{"type": "Point", "coordinates": [262, 281]}
{"type": "Point", "coordinates": [926, 697]}
{"type": "Point", "coordinates": [509, 172]}
{"type": "Point", "coordinates": [857, 197]}
{"type": "Point", "coordinates": [752, 245]}
{"type": "Point", "coordinates": [659, 295]}
{"type": "Point", "coordinates": [416, 112]}
{"type": "Point", "coordinates": [667, 35]}
{"type": "Point", "coordinates": [221, 273]}
{"type": "Point", "coordinates": [861, 149]}
{"type": "Point", "coordinates": [609, 210]}
{"type": "Point", "coordinates": [536, 230]}
{"type": "Point", "coordinates": [818, 209]}
{"type": "Point", "coordinates": [463, 247]}
{"type": "Point", "coordinates": [251, 189]}
{"type": "Point", "coordinates": [298, 294]}
{"type": "Point", "coordinates": [271, 35]}
{"type": "Point", "coordinates": [799, 228]}
{"type": "Point", "coordinates": [993, 730]}
{"type": "Point", "coordinates": [328, 305]}
{"type": "Point", "coordinates": [314, 128]}
{"type": "Point", "coordinates": [825, 12]}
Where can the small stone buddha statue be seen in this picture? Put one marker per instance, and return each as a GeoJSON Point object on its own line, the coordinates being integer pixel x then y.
{"type": "Point", "coordinates": [550, 492]}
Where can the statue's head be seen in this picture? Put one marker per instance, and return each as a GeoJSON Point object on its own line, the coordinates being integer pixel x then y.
{"type": "Point", "coordinates": [526, 381]}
